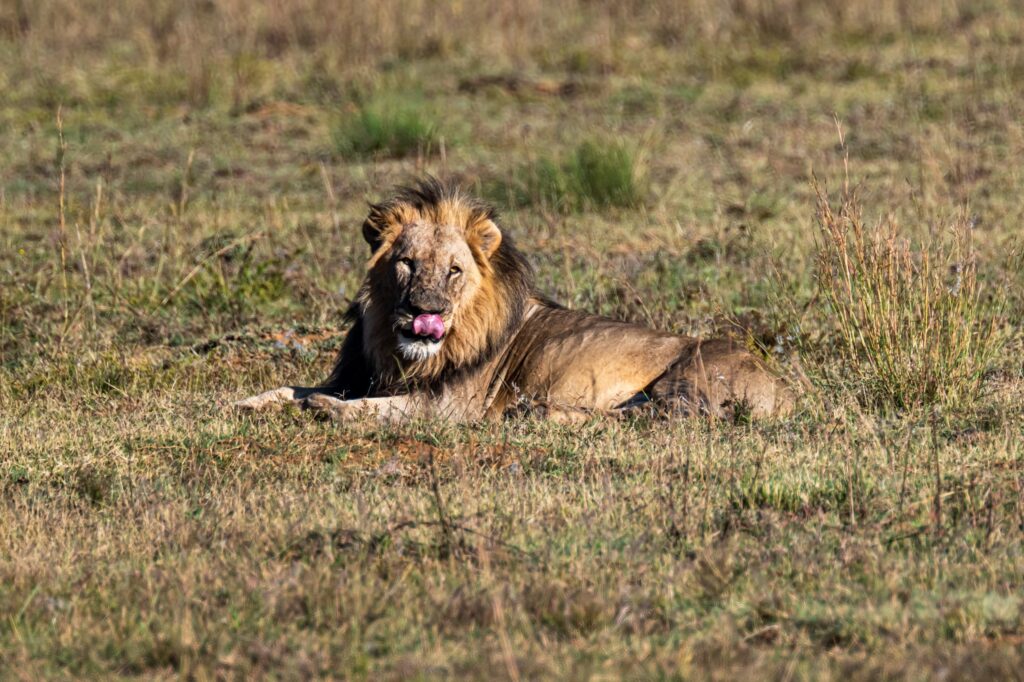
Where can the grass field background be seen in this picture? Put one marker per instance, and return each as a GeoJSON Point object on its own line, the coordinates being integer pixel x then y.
{"type": "Point", "coordinates": [181, 186]}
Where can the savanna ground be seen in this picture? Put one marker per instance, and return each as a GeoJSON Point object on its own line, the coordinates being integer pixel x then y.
{"type": "Point", "coordinates": [655, 161]}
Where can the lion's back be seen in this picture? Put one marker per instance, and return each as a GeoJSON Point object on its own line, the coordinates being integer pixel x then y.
{"type": "Point", "coordinates": [580, 360]}
{"type": "Point", "coordinates": [572, 359]}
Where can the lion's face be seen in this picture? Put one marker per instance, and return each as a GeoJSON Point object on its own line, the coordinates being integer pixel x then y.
{"type": "Point", "coordinates": [431, 274]}
{"type": "Point", "coordinates": [432, 298]}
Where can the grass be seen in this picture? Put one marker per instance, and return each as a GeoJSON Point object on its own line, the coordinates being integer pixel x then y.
{"type": "Point", "coordinates": [597, 174]}
{"type": "Point", "coordinates": [916, 325]}
{"type": "Point", "coordinates": [204, 243]}
{"type": "Point", "coordinates": [604, 174]}
{"type": "Point", "coordinates": [388, 127]}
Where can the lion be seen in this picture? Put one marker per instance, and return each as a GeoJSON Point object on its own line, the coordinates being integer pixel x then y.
{"type": "Point", "coordinates": [448, 324]}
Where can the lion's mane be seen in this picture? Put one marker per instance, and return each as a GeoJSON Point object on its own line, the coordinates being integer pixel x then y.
{"type": "Point", "coordinates": [368, 361]}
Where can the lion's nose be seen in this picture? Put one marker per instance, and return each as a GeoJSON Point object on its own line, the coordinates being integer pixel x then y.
{"type": "Point", "coordinates": [426, 309]}
{"type": "Point", "coordinates": [427, 305]}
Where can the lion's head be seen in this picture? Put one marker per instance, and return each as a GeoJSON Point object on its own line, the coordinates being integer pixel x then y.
{"type": "Point", "coordinates": [443, 287]}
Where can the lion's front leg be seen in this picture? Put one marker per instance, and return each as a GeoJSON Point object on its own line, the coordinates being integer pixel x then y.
{"type": "Point", "coordinates": [390, 409]}
{"type": "Point", "coordinates": [286, 395]}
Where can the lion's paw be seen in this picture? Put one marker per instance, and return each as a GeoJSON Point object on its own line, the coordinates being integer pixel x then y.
{"type": "Point", "coordinates": [278, 396]}
{"type": "Point", "coordinates": [326, 405]}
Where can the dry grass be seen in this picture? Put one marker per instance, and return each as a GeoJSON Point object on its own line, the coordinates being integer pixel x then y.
{"type": "Point", "coordinates": [189, 234]}
{"type": "Point", "coordinates": [362, 33]}
{"type": "Point", "coordinates": [916, 325]}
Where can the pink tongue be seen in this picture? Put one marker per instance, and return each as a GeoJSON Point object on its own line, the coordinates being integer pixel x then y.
{"type": "Point", "coordinates": [428, 325]}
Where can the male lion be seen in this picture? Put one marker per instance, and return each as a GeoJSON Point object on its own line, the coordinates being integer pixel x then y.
{"type": "Point", "coordinates": [447, 323]}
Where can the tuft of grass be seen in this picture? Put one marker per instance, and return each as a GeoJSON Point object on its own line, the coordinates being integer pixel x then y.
{"type": "Point", "coordinates": [389, 127]}
{"type": "Point", "coordinates": [542, 182]}
{"type": "Point", "coordinates": [916, 326]}
{"type": "Point", "coordinates": [596, 174]}
{"type": "Point", "coordinates": [605, 174]}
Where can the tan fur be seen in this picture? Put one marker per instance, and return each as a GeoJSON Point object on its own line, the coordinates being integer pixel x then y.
{"type": "Point", "coordinates": [505, 346]}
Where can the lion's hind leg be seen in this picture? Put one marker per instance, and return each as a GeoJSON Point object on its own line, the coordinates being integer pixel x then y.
{"type": "Point", "coordinates": [721, 379]}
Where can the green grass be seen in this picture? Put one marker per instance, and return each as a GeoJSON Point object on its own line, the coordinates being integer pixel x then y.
{"type": "Point", "coordinates": [389, 127]}
{"type": "Point", "coordinates": [605, 174]}
{"type": "Point", "coordinates": [597, 174]}
{"type": "Point", "coordinates": [654, 165]}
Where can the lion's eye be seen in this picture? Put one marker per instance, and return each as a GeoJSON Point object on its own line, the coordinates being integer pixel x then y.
{"type": "Point", "coordinates": [407, 262]}
{"type": "Point", "coordinates": [454, 270]}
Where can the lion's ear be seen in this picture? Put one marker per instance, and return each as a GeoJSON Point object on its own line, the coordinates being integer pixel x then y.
{"type": "Point", "coordinates": [378, 231]}
{"type": "Point", "coordinates": [373, 233]}
{"type": "Point", "coordinates": [486, 236]}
